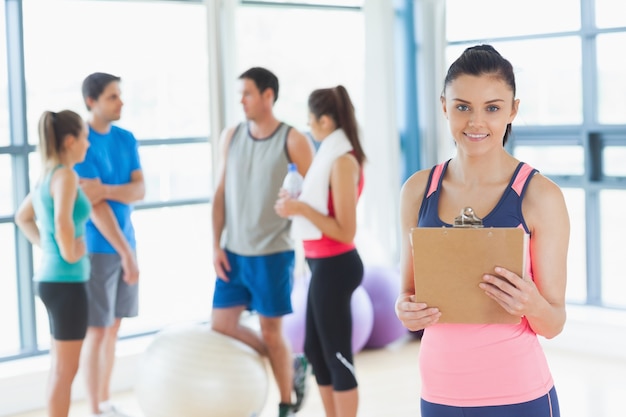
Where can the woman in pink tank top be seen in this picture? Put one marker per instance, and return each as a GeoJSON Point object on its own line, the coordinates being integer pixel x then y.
{"type": "Point", "coordinates": [487, 369]}
{"type": "Point", "coordinates": [324, 218]}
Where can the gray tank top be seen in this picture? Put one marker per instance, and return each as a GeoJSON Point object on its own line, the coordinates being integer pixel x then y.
{"type": "Point", "coordinates": [255, 169]}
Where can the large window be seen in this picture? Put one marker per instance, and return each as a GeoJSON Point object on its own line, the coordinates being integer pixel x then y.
{"type": "Point", "coordinates": [334, 3]}
{"type": "Point", "coordinates": [176, 172]}
{"type": "Point", "coordinates": [572, 119]}
{"type": "Point", "coordinates": [610, 13]}
{"type": "Point", "coordinates": [175, 263]}
{"type": "Point", "coordinates": [613, 230]}
{"type": "Point", "coordinates": [10, 341]}
{"type": "Point", "coordinates": [490, 19]}
{"type": "Point", "coordinates": [4, 89]}
{"type": "Point", "coordinates": [307, 48]}
{"type": "Point", "coordinates": [8, 285]}
{"type": "Point", "coordinates": [611, 84]}
{"type": "Point", "coordinates": [6, 187]}
{"type": "Point", "coordinates": [165, 92]}
{"type": "Point", "coordinates": [160, 50]}
{"type": "Point", "coordinates": [549, 85]}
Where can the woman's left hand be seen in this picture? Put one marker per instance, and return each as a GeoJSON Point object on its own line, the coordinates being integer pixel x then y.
{"type": "Point", "coordinates": [515, 294]}
{"type": "Point", "coordinates": [285, 206]}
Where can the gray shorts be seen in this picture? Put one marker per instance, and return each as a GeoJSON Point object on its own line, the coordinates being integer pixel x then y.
{"type": "Point", "coordinates": [109, 297]}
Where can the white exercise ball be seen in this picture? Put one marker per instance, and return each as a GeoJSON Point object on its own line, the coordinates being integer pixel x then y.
{"type": "Point", "coordinates": [192, 371]}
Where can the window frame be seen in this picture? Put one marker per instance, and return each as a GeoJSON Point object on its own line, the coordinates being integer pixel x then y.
{"type": "Point", "coordinates": [19, 150]}
{"type": "Point", "coordinates": [590, 134]}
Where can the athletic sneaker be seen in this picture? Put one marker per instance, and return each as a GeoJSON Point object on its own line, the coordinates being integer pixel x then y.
{"type": "Point", "coordinates": [285, 410]}
{"type": "Point", "coordinates": [301, 372]}
{"type": "Point", "coordinates": [109, 413]}
{"type": "Point", "coordinates": [113, 411]}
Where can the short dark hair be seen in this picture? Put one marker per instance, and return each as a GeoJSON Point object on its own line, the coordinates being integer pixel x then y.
{"type": "Point", "coordinates": [95, 83]}
{"type": "Point", "coordinates": [263, 78]}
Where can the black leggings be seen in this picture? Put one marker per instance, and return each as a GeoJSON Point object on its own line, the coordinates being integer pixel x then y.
{"type": "Point", "coordinates": [66, 303]}
{"type": "Point", "coordinates": [328, 334]}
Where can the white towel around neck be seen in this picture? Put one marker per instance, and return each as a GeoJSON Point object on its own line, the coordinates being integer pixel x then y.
{"type": "Point", "coordinates": [317, 182]}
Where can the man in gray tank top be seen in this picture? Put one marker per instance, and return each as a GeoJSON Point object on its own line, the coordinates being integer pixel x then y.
{"type": "Point", "coordinates": [253, 254]}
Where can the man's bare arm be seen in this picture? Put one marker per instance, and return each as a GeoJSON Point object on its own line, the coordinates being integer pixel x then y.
{"type": "Point", "coordinates": [128, 193]}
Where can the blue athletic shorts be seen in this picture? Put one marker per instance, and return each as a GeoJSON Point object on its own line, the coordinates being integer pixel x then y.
{"type": "Point", "coordinates": [260, 283]}
{"type": "Point", "coordinates": [544, 406]}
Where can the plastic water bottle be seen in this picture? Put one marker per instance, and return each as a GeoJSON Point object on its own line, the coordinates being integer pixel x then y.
{"type": "Point", "coordinates": [293, 181]}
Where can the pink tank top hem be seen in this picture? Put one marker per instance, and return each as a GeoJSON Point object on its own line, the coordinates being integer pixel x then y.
{"type": "Point", "coordinates": [325, 247]}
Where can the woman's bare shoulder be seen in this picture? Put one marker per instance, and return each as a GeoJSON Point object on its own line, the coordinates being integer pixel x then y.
{"type": "Point", "coordinates": [416, 182]}
{"type": "Point", "coordinates": [544, 201]}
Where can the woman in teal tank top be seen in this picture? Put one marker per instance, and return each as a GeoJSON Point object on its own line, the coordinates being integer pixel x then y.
{"type": "Point", "coordinates": [53, 217]}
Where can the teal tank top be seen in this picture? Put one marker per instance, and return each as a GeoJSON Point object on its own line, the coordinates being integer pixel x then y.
{"type": "Point", "coordinates": [53, 268]}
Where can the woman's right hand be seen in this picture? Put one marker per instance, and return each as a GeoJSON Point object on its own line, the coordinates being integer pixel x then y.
{"type": "Point", "coordinates": [414, 315]}
{"type": "Point", "coordinates": [80, 249]}
{"type": "Point", "coordinates": [75, 252]}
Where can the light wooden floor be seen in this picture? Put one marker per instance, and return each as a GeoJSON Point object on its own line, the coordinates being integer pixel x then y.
{"type": "Point", "coordinates": [389, 386]}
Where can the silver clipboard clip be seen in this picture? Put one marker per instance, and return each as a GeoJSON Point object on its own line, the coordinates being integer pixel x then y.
{"type": "Point", "coordinates": [468, 218]}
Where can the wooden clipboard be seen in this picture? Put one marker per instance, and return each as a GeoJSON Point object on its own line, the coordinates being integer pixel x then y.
{"type": "Point", "coordinates": [449, 262]}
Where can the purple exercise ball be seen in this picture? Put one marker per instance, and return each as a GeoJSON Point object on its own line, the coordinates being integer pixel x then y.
{"type": "Point", "coordinates": [383, 285]}
{"type": "Point", "coordinates": [293, 324]}
{"type": "Point", "coordinates": [360, 305]}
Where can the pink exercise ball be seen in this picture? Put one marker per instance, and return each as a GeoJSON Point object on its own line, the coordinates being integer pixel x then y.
{"type": "Point", "coordinates": [383, 285]}
{"type": "Point", "coordinates": [362, 317]}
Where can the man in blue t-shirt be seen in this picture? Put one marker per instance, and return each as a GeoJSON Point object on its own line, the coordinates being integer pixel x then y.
{"type": "Point", "coordinates": [112, 178]}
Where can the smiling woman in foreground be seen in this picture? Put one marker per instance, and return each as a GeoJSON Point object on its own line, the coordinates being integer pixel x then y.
{"type": "Point", "coordinates": [488, 369]}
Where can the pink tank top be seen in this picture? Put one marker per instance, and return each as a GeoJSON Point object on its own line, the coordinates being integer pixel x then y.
{"type": "Point", "coordinates": [470, 365]}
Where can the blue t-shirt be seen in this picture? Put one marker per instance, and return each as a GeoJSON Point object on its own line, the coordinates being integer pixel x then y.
{"type": "Point", "coordinates": [112, 157]}
{"type": "Point", "coordinates": [53, 267]}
